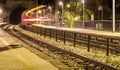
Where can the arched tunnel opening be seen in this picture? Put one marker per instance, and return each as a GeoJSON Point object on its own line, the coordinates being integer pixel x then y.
{"type": "Point", "coordinates": [15, 15]}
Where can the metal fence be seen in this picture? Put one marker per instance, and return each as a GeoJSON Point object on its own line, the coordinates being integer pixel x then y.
{"type": "Point", "coordinates": [102, 25]}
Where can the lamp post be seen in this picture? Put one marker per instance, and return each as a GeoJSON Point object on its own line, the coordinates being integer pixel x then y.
{"type": "Point", "coordinates": [68, 6]}
{"type": "Point", "coordinates": [113, 15]}
{"type": "Point", "coordinates": [50, 13]}
{"type": "Point", "coordinates": [100, 8]}
{"type": "Point", "coordinates": [43, 12]}
{"type": "Point", "coordinates": [61, 3]}
{"type": "Point", "coordinates": [58, 18]}
{"type": "Point", "coordinates": [83, 13]}
{"type": "Point", "coordinates": [39, 16]}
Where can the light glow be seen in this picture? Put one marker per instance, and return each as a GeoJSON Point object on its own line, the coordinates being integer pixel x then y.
{"type": "Point", "coordinates": [49, 7]}
{"type": "Point", "coordinates": [35, 19]}
{"type": "Point", "coordinates": [58, 12]}
{"type": "Point", "coordinates": [83, 1]}
{"type": "Point", "coordinates": [60, 3]}
{"type": "Point", "coordinates": [39, 11]}
{"type": "Point", "coordinates": [33, 9]}
{"type": "Point", "coordinates": [68, 5]}
{"type": "Point", "coordinates": [75, 18]}
{"type": "Point", "coordinates": [0, 10]}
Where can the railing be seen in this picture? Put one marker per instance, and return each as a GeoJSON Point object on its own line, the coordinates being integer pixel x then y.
{"type": "Point", "coordinates": [105, 25]}
{"type": "Point", "coordinates": [108, 43]}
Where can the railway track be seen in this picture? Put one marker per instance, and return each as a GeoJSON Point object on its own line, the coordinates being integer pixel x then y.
{"type": "Point", "coordinates": [110, 44]}
{"type": "Point", "coordinates": [73, 60]}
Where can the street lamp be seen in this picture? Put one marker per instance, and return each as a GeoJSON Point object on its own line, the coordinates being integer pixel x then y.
{"type": "Point", "coordinates": [1, 11]}
{"type": "Point", "coordinates": [113, 15]}
{"type": "Point", "coordinates": [43, 12]}
{"type": "Point", "coordinates": [58, 16]}
{"type": "Point", "coordinates": [100, 8]}
{"type": "Point", "coordinates": [83, 2]}
{"type": "Point", "coordinates": [68, 5]}
{"type": "Point", "coordinates": [76, 18]}
{"type": "Point", "coordinates": [61, 3]}
{"type": "Point", "coordinates": [50, 13]}
{"type": "Point", "coordinates": [38, 15]}
{"type": "Point", "coordinates": [39, 11]}
{"type": "Point", "coordinates": [58, 12]}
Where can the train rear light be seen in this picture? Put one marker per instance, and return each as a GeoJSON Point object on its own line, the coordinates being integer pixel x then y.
{"type": "Point", "coordinates": [33, 19]}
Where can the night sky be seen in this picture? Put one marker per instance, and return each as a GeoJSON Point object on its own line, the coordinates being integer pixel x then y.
{"type": "Point", "coordinates": [46, 2]}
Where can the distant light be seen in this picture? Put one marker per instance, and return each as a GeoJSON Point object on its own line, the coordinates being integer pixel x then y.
{"type": "Point", "coordinates": [39, 11]}
{"type": "Point", "coordinates": [49, 7]}
{"type": "Point", "coordinates": [75, 18]}
{"type": "Point", "coordinates": [83, 1]}
{"type": "Point", "coordinates": [43, 10]}
{"type": "Point", "coordinates": [58, 12]}
{"type": "Point", "coordinates": [68, 5]}
{"type": "Point", "coordinates": [1, 11]}
{"type": "Point", "coordinates": [60, 3]}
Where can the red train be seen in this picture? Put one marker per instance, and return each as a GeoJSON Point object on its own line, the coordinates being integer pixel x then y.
{"type": "Point", "coordinates": [31, 17]}
{"type": "Point", "coordinates": [28, 19]}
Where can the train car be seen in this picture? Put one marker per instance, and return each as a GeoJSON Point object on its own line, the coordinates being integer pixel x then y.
{"type": "Point", "coordinates": [33, 19]}
{"type": "Point", "coordinates": [30, 19]}
{"type": "Point", "coordinates": [32, 16]}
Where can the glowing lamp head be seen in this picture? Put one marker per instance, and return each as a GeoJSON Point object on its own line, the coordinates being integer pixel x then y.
{"type": "Point", "coordinates": [75, 18]}
{"type": "Point", "coordinates": [0, 10]}
{"type": "Point", "coordinates": [58, 12]}
{"type": "Point", "coordinates": [60, 3]}
{"type": "Point", "coordinates": [83, 1]}
{"type": "Point", "coordinates": [39, 11]}
{"type": "Point", "coordinates": [68, 5]}
{"type": "Point", "coordinates": [49, 7]}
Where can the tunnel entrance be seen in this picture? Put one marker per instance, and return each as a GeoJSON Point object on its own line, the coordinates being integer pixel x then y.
{"type": "Point", "coordinates": [15, 15]}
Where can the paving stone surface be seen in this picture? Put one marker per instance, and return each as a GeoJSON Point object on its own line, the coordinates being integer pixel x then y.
{"type": "Point", "coordinates": [15, 57]}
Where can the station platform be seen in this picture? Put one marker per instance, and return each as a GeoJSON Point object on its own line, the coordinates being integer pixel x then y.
{"type": "Point", "coordinates": [15, 57]}
{"type": "Point", "coordinates": [84, 31]}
